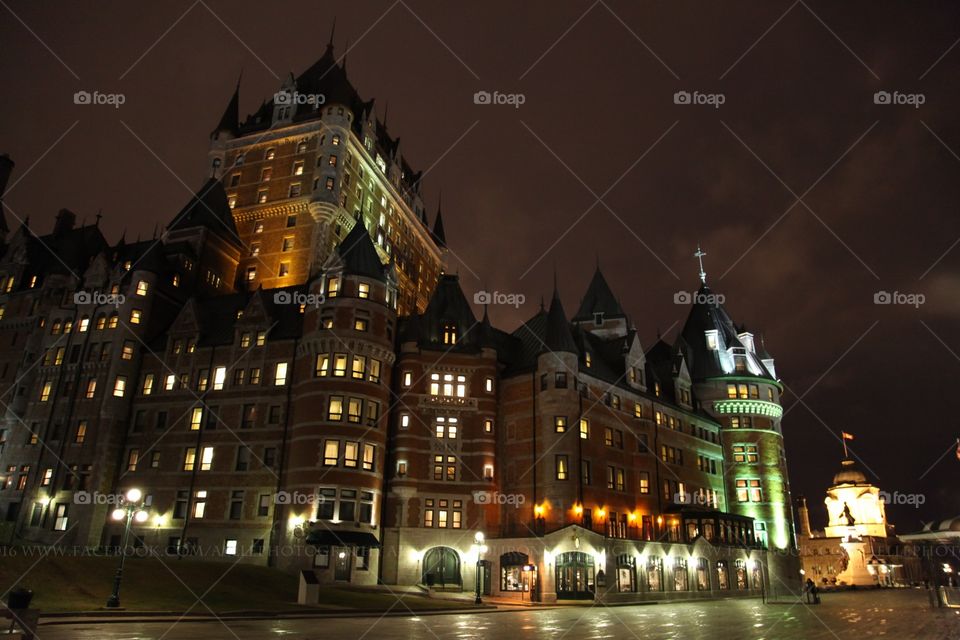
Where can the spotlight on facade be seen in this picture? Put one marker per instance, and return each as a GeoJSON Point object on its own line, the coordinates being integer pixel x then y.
{"type": "Point", "coordinates": [538, 511]}
{"type": "Point", "coordinates": [578, 509]}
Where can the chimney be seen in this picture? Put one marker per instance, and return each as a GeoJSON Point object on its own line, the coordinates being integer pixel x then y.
{"type": "Point", "coordinates": [65, 221]}
{"type": "Point", "coordinates": [6, 168]}
{"type": "Point", "coordinates": [804, 514]}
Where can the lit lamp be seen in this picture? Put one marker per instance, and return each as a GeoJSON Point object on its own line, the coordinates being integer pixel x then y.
{"type": "Point", "coordinates": [130, 509]}
{"type": "Point", "coordinates": [481, 548]}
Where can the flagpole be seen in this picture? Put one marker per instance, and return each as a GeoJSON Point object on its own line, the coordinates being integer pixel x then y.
{"type": "Point", "coordinates": [844, 440]}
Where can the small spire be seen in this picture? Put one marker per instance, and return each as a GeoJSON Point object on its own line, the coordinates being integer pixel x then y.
{"type": "Point", "coordinates": [386, 110]}
{"type": "Point", "coordinates": [99, 215]}
{"type": "Point", "coordinates": [333, 29]}
{"type": "Point", "coordinates": [699, 256]}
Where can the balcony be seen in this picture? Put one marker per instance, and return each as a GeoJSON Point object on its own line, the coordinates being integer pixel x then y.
{"type": "Point", "coordinates": [447, 402]}
{"type": "Point", "coordinates": [740, 406]}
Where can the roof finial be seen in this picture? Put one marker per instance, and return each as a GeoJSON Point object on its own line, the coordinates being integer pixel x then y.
{"type": "Point", "coordinates": [99, 215]}
{"type": "Point", "coordinates": [699, 256]}
{"type": "Point", "coordinates": [333, 30]}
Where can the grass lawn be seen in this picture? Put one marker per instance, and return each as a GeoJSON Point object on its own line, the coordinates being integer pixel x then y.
{"type": "Point", "coordinates": [83, 584]}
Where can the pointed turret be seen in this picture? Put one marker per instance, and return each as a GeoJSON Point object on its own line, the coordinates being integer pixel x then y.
{"type": "Point", "coordinates": [6, 168]}
{"type": "Point", "coordinates": [438, 234]}
{"type": "Point", "coordinates": [358, 254]}
{"type": "Point", "coordinates": [558, 338]}
{"type": "Point", "coordinates": [599, 299]}
{"type": "Point", "coordinates": [230, 120]}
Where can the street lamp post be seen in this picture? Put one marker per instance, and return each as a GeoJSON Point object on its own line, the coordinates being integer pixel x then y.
{"type": "Point", "coordinates": [478, 543]}
{"type": "Point", "coordinates": [131, 509]}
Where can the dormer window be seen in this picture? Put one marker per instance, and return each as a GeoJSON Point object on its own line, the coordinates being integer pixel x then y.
{"type": "Point", "coordinates": [239, 160]}
{"type": "Point", "coordinates": [598, 319]}
{"type": "Point", "coordinates": [449, 334]}
{"type": "Point", "coordinates": [271, 154]}
{"type": "Point", "coordinates": [711, 340]}
{"type": "Point", "coordinates": [333, 285]}
{"type": "Point", "coordinates": [588, 359]}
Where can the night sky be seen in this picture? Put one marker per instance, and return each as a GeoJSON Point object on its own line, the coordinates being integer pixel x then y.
{"type": "Point", "coordinates": [806, 195]}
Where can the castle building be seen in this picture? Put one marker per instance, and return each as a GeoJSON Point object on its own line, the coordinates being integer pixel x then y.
{"type": "Point", "coordinates": [291, 378]}
{"type": "Point", "coordinates": [858, 547]}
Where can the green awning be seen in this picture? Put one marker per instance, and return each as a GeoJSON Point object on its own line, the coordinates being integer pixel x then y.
{"type": "Point", "coordinates": [326, 537]}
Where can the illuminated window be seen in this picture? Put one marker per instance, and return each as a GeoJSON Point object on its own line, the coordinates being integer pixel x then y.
{"type": "Point", "coordinates": [196, 418]}
{"type": "Point", "coordinates": [488, 425]}
{"type": "Point", "coordinates": [47, 477]}
{"type": "Point", "coordinates": [404, 420]}
{"type": "Point", "coordinates": [644, 482]}
{"type": "Point", "coordinates": [189, 459]}
{"type": "Point", "coordinates": [560, 424]}
{"type": "Point", "coordinates": [745, 453]}
{"type": "Point", "coordinates": [588, 359]}
{"type": "Point", "coordinates": [142, 287]}
{"type": "Point", "coordinates": [712, 340]}
{"type": "Point", "coordinates": [748, 490]}
{"type": "Point", "coordinates": [488, 385]}
{"type": "Point", "coordinates": [280, 374]}
{"type": "Point", "coordinates": [488, 472]}
{"type": "Point", "coordinates": [91, 388]}
{"type": "Point", "coordinates": [339, 365]}
{"type": "Point", "coordinates": [261, 338]}
{"type": "Point", "coordinates": [584, 428]}
{"type": "Point", "coordinates": [81, 435]}
{"type": "Point", "coordinates": [219, 377]}
{"type": "Point", "coordinates": [363, 290]}
{"type": "Point", "coordinates": [562, 466]}
{"type": "Point", "coordinates": [84, 322]}
{"type": "Point", "coordinates": [113, 321]}
{"type": "Point", "coordinates": [407, 378]}
{"type": "Point", "coordinates": [360, 324]}
{"type": "Point", "coordinates": [136, 316]}
{"type": "Point", "coordinates": [374, 374]}
{"type": "Point", "coordinates": [127, 352]}
{"type": "Point", "coordinates": [323, 365]}
{"type": "Point", "coordinates": [354, 406]}
{"type": "Point", "coordinates": [331, 453]}
{"type": "Point", "coordinates": [449, 334]}
{"type": "Point", "coordinates": [359, 367]}
{"type": "Point", "coordinates": [200, 504]}
{"type": "Point", "coordinates": [298, 168]}
{"type": "Point", "coordinates": [170, 382]}
{"type": "Point", "coordinates": [119, 386]}
{"type": "Point", "coordinates": [333, 286]}
{"type": "Point", "coordinates": [206, 459]}
{"type": "Point", "coordinates": [335, 410]}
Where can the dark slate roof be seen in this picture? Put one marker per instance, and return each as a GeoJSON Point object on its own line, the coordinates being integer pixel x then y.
{"type": "Point", "coordinates": [599, 299]}
{"type": "Point", "coordinates": [208, 208]}
{"type": "Point", "coordinates": [218, 316]}
{"type": "Point", "coordinates": [439, 237]}
{"type": "Point", "coordinates": [68, 252]}
{"type": "Point", "coordinates": [558, 336]}
{"type": "Point", "coordinates": [230, 120]}
{"type": "Point", "coordinates": [708, 314]}
{"type": "Point", "coordinates": [449, 305]}
{"type": "Point", "coordinates": [358, 254]}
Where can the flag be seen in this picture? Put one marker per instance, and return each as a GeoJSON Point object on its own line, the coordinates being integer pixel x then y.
{"type": "Point", "coordinates": [847, 436]}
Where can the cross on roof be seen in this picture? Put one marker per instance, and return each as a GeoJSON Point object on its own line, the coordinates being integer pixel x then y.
{"type": "Point", "coordinates": [699, 256]}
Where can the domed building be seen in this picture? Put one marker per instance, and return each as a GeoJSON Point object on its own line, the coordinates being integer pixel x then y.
{"type": "Point", "coordinates": [858, 547]}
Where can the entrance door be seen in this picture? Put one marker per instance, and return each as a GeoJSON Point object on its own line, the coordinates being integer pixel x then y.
{"type": "Point", "coordinates": [441, 568]}
{"type": "Point", "coordinates": [341, 567]}
{"type": "Point", "coordinates": [575, 576]}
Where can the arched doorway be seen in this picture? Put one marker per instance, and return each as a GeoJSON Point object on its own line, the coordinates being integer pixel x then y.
{"type": "Point", "coordinates": [441, 568]}
{"type": "Point", "coordinates": [575, 576]}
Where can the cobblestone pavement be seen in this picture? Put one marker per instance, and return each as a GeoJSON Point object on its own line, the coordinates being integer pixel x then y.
{"type": "Point", "coordinates": [894, 614]}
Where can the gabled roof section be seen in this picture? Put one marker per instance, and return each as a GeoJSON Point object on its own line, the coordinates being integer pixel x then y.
{"type": "Point", "coordinates": [358, 254]}
{"type": "Point", "coordinates": [599, 298]}
{"type": "Point", "coordinates": [208, 208]}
